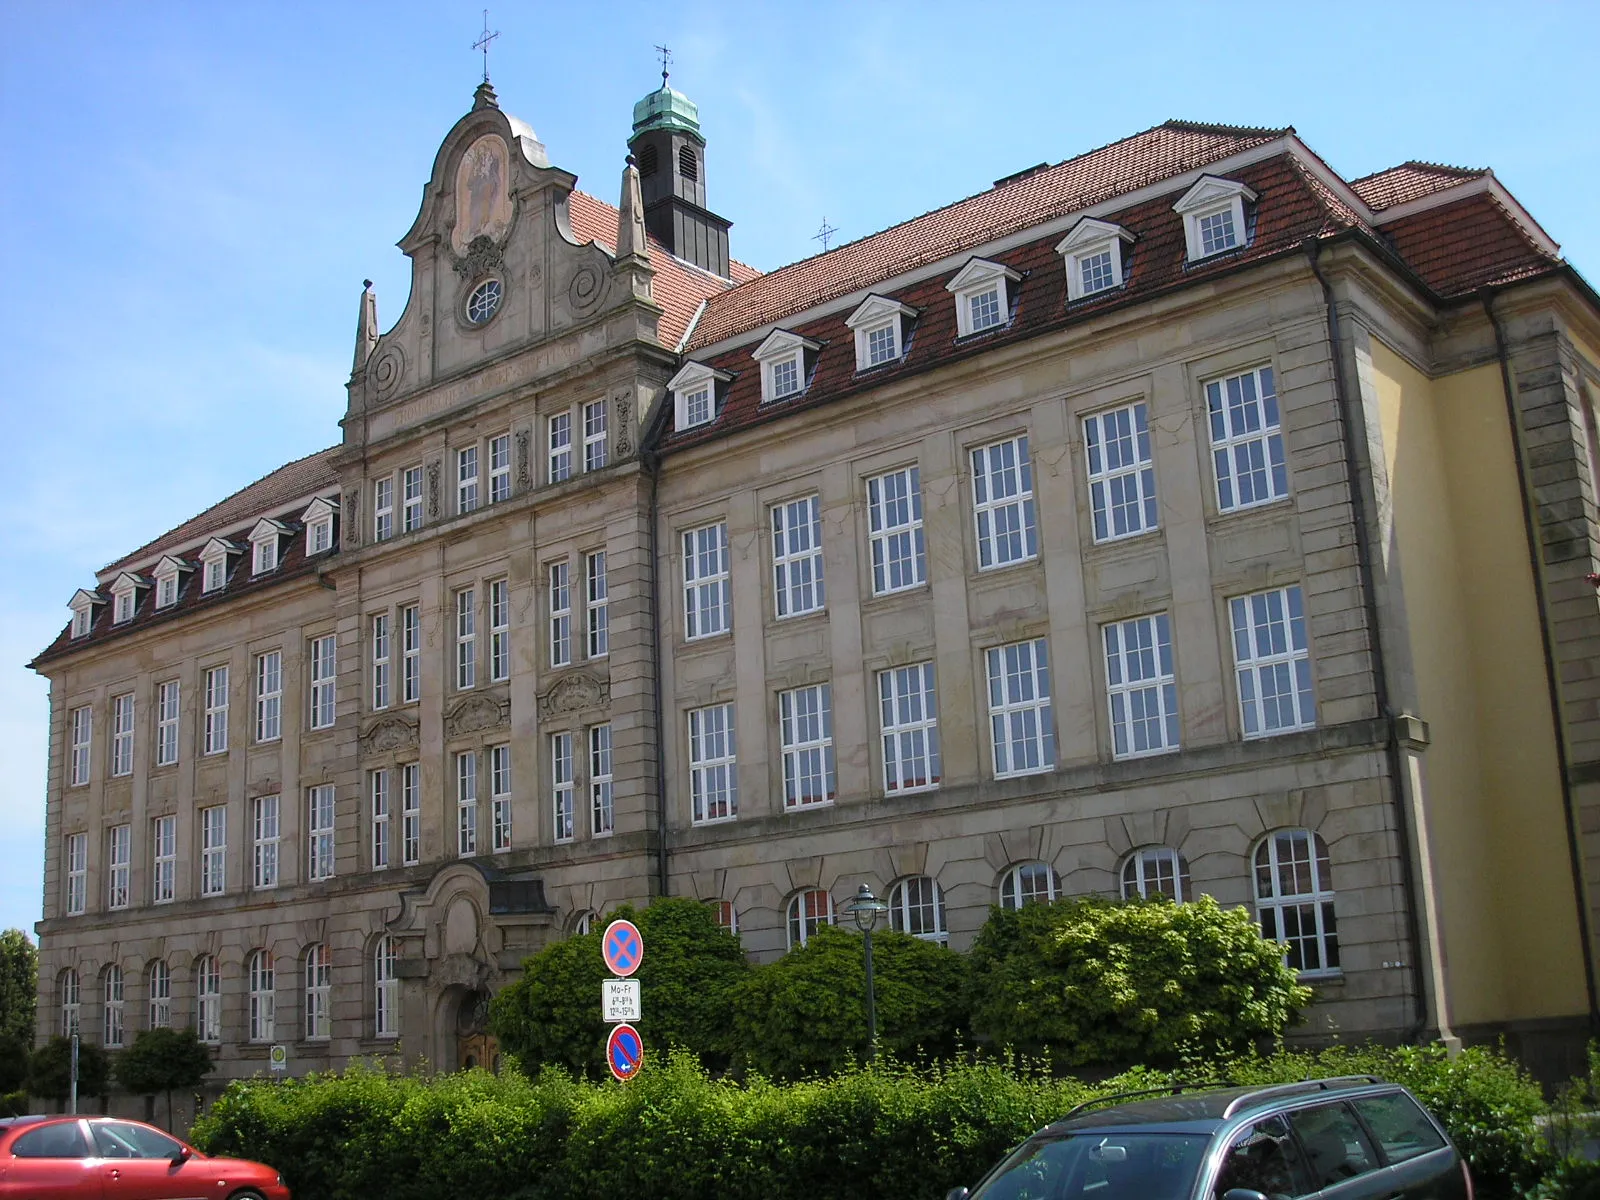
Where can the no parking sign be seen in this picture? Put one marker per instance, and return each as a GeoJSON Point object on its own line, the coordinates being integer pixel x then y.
{"type": "Point", "coordinates": [624, 1052]}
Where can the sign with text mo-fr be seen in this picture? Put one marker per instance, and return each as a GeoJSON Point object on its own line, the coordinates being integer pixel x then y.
{"type": "Point", "coordinates": [624, 1052]}
{"type": "Point", "coordinates": [622, 947]}
{"type": "Point", "coordinates": [619, 998]}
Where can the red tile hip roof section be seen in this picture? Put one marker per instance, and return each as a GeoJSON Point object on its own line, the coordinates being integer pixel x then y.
{"type": "Point", "coordinates": [1124, 166]}
{"type": "Point", "coordinates": [1410, 181]}
{"type": "Point", "coordinates": [1457, 248]}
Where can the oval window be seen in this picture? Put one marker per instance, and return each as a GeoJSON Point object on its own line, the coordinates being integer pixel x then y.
{"type": "Point", "coordinates": [484, 301]}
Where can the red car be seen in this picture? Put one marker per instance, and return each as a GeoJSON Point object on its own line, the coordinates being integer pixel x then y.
{"type": "Point", "coordinates": [102, 1158]}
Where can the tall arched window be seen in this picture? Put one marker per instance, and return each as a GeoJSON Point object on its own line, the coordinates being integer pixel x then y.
{"type": "Point", "coordinates": [1156, 871]}
{"type": "Point", "coordinates": [111, 991]}
{"type": "Point", "coordinates": [263, 998]}
{"type": "Point", "coordinates": [208, 998]}
{"type": "Point", "coordinates": [916, 906]}
{"type": "Point", "coordinates": [809, 911]}
{"type": "Point", "coordinates": [1294, 899]}
{"type": "Point", "coordinates": [386, 997]}
{"type": "Point", "coordinates": [159, 980]}
{"type": "Point", "coordinates": [583, 923]}
{"type": "Point", "coordinates": [319, 979]}
{"type": "Point", "coordinates": [71, 997]}
{"type": "Point", "coordinates": [1029, 883]}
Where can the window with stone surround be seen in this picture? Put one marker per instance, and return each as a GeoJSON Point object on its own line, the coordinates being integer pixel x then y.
{"type": "Point", "coordinates": [1029, 883]}
{"type": "Point", "coordinates": [158, 991]}
{"type": "Point", "coordinates": [319, 832]}
{"type": "Point", "coordinates": [1002, 504]}
{"type": "Point", "coordinates": [264, 829]}
{"type": "Point", "coordinates": [410, 814]}
{"type": "Point", "coordinates": [1295, 899]}
{"type": "Point", "coordinates": [68, 988]}
{"type": "Point", "coordinates": [466, 639]}
{"type": "Point", "coordinates": [122, 734]}
{"type": "Point", "coordinates": [797, 556]}
{"type": "Point", "coordinates": [77, 882]}
{"type": "Point", "coordinates": [381, 649]}
{"type": "Point", "coordinates": [499, 630]}
{"type": "Point", "coordinates": [1156, 871]}
{"type": "Point", "coordinates": [168, 706]}
{"type": "Point", "coordinates": [894, 527]}
{"type": "Point", "coordinates": [1141, 687]}
{"type": "Point", "coordinates": [386, 988]}
{"type": "Point", "coordinates": [499, 468]}
{"type": "Point", "coordinates": [1021, 724]}
{"type": "Point", "coordinates": [713, 765]}
{"type": "Point", "coordinates": [707, 592]}
{"type": "Point", "coordinates": [916, 906]}
{"type": "Point", "coordinates": [269, 696]}
{"type": "Point", "coordinates": [808, 911]}
{"type": "Point", "coordinates": [214, 739]}
{"type": "Point", "coordinates": [1121, 472]}
{"type": "Point", "coordinates": [114, 999]}
{"type": "Point", "coordinates": [208, 999]}
{"type": "Point", "coordinates": [378, 788]}
{"type": "Point", "coordinates": [163, 859]}
{"type": "Point", "coordinates": [499, 798]}
{"type": "Point", "coordinates": [119, 861]}
{"type": "Point", "coordinates": [319, 985]}
{"type": "Point", "coordinates": [323, 680]}
{"type": "Point", "coordinates": [82, 722]}
{"type": "Point", "coordinates": [805, 724]}
{"type": "Point", "coordinates": [597, 622]}
{"type": "Point", "coordinates": [1273, 662]}
{"type": "Point", "coordinates": [908, 712]}
{"type": "Point", "coordinates": [562, 783]}
{"type": "Point", "coordinates": [260, 978]}
{"type": "Point", "coordinates": [602, 810]}
{"type": "Point", "coordinates": [1246, 440]}
{"type": "Point", "coordinates": [467, 804]}
{"type": "Point", "coordinates": [213, 850]}
{"type": "Point", "coordinates": [560, 614]}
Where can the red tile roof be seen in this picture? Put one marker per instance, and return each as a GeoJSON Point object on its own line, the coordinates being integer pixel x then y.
{"type": "Point", "coordinates": [1012, 205]}
{"type": "Point", "coordinates": [1409, 181]}
{"type": "Point", "coordinates": [1457, 248]}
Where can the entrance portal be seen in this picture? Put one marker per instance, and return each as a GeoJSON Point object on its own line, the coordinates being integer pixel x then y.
{"type": "Point", "coordinates": [475, 1046]}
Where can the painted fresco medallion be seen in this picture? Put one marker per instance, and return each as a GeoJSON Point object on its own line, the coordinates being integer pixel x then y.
{"type": "Point", "coordinates": [483, 195]}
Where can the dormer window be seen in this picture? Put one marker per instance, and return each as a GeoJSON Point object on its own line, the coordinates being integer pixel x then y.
{"type": "Point", "coordinates": [265, 541]}
{"type": "Point", "coordinates": [785, 360]}
{"type": "Point", "coordinates": [125, 597]}
{"type": "Point", "coordinates": [318, 520]}
{"type": "Point", "coordinates": [169, 580]}
{"type": "Point", "coordinates": [214, 564]}
{"type": "Point", "coordinates": [880, 326]}
{"type": "Point", "coordinates": [694, 394]}
{"type": "Point", "coordinates": [83, 605]}
{"type": "Point", "coordinates": [983, 296]}
{"type": "Point", "coordinates": [1214, 216]}
{"type": "Point", "coordinates": [1094, 255]}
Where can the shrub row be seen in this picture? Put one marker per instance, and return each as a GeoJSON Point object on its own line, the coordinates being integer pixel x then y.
{"type": "Point", "coordinates": [886, 1132]}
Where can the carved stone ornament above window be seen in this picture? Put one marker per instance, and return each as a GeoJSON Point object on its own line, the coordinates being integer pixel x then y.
{"type": "Point", "coordinates": [388, 733]}
{"type": "Point", "coordinates": [482, 257]}
{"type": "Point", "coordinates": [624, 425]}
{"type": "Point", "coordinates": [576, 692]}
{"type": "Point", "coordinates": [476, 713]}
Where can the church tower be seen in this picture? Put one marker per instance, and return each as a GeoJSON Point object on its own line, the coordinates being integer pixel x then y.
{"type": "Point", "coordinates": [671, 156]}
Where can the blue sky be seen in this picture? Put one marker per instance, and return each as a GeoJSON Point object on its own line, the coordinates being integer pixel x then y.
{"type": "Point", "coordinates": [192, 195]}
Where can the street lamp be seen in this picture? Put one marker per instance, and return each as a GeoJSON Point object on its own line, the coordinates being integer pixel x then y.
{"type": "Point", "coordinates": [865, 910]}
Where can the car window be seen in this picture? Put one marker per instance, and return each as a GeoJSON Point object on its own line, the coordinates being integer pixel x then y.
{"type": "Point", "coordinates": [1100, 1166]}
{"type": "Point", "coordinates": [124, 1139]}
{"type": "Point", "coordinates": [1336, 1149]}
{"type": "Point", "coordinates": [1265, 1159]}
{"type": "Point", "coordinates": [60, 1139]}
{"type": "Point", "coordinates": [1402, 1129]}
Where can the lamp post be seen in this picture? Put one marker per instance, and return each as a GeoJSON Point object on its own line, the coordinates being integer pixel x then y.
{"type": "Point", "coordinates": [865, 910]}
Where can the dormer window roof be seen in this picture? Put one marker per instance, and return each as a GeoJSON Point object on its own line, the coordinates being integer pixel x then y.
{"type": "Point", "coordinates": [880, 326]}
{"type": "Point", "coordinates": [1094, 255]}
{"type": "Point", "coordinates": [169, 575]}
{"type": "Point", "coordinates": [125, 591]}
{"type": "Point", "coordinates": [1214, 216]}
{"type": "Point", "coordinates": [318, 520]}
{"type": "Point", "coordinates": [266, 539]}
{"type": "Point", "coordinates": [786, 360]}
{"type": "Point", "coordinates": [983, 292]}
{"type": "Point", "coordinates": [695, 394]}
{"type": "Point", "coordinates": [214, 563]}
{"type": "Point", "coordinates": [83, 604]}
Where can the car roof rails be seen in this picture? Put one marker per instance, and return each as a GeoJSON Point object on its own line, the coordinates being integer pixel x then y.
{"type": "Point", "coordinates": [1256, 1095]}
{"type": "Point", "coordinates": [1172, 1089]}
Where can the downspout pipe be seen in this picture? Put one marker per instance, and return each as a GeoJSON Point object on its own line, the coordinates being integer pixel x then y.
{"type": "Point", "coordinates": [650, 460]}
{"type": "Point", "coordinates": [1380, 670]}
{"type": "Point", "coordinates": [1547, 643]}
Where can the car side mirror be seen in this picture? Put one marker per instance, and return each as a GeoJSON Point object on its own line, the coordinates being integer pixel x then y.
{"type": "Point", "coordinates": [957, 1193]}
{"type": "Point", "coordinates": [1243, 1194]}
{"type": "Point", "coordinates": [181, 1155]}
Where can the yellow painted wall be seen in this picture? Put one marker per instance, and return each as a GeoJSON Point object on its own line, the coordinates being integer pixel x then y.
{"type": "Point", "coordinates": [1497, 826]}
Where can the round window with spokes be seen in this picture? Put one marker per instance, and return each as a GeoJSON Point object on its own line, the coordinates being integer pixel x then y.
{"type": "Point", "coordinates": [484, 301]}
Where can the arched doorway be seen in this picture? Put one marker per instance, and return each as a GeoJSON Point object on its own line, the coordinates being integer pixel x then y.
{"type": "Point", "coordinates": [475, 1045]}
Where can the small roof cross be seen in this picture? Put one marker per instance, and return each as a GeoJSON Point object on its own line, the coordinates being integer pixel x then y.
{"type": "Point", "coordinates": [824, 234]}
{"type": "Point", "coordinates": [483, 44]}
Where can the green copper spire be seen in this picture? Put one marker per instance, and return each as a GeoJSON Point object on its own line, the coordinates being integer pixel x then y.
{"type": "Point", "coordinates": [666, 108]}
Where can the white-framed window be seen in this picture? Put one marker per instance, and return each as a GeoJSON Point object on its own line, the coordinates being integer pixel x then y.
{"type": "Point", "coordinates": [797, 556]}
{"type": "Point", "coordinates": [499, 630]}
{"type": "Point", "coordinates": [1273, 662]}
{"type": "Point", "coordinates": [319, 985]}
{"type": "Point", "coordinates": [380, 660]}
{"type": "Point", "coordinates": [383, 508]}
{"type": "Point", "coordinates": [410, 814]}
{"type": "Point", "coordinates": [322, 681]}
{"type": "Point", "coordinates": [1029, 883]}
{"type": "Point", "coordinates": [909, 720]}
{"type": "Point", "coordinates": [83, 606]}
{"type": "Point", "coordinates": [561, 784]}
{"type": "Point", "coordinates": [602, 809]}
{"type": "Point", "coordinates": [264, 831]}
{"type": "Point", "coordinates": [466, 479]}
{"type": "Point", "coordinates": [213, 850]}
{"type": "Point", "coordinates": [269, 696]}
{"type": "Point", "coordinates": [727, 917]}
{"type": "Point", "coordinates": [159, 992]}
{"type": "Point", "coordinates": [583, 924]}
{"type": "Point", "coordinates": [785, 376]}
{"type": "Point", "coordinates": [808, 912]}
{"type": "Point", "coordinates": [410, 654]}
{"type": "Point", "coordinates": [1294, 899]}
{"type": "Point", "coordinates": [386, 989]}
{"type": "Point", "coordinates": [713, 765]}
{"type": "Point", "coordinates": [466, 639]}
{"type": "Point", "coordinates": [318, 520]}
{"type": "Point", "coordinates": [1246, 440]}
{"type": "Point", "coordinates": [122, 734]}
{"type": "Point", "coordinates": [1121, 472]}
{"type": "Point", "coordinates": [1022, 727]}
{"type": "Point", "coordinates": [168, 704]}
{"type": "Point", "coordinates": [319, 832]}
{"type": "Point", "coordinates": [1156, 871]}
{"type": "Point", "coordinates": [499, 798]}
{"type": "Point", "coordinates": [879, 325]}
{"type": "Point", "coordinates": [697, 407]}
{"type": "Point", "coordinates": [163, 859]}
{"type": "Point", "coordinates": [77, 890]}
{"type": "Point", "coordinates": [1214, 216]}
{"type": "Point", "coordinates": [1002, 503]}
{"type": "Point", "coordinates": [694, 394]}
{"type": "Point", "coordinates": [1141, 687]}
{"type": "Point", "coordinates": [805, 724]}
{"type": "Point", "coordinates": [378, 788]}
{"type": "Point", "coordinates": [467, 803]}
{"type": "Point", "coordinates": [125, 598]}
{"type": "Point", "coordinates": [264, 539]}
{"type": "Point", "coordinates": [499, 468]}
{"type": "Point", "coordinates": [1093, 256]}
{"type": "Point", "coordinates": [560, 614]}
{"type": "Point", "coordinates": [894, 526]}
{"type": "Point", "coordinates": [71, 1000]}
{"type": "Point", "coordinates": [560, 445]}
{"type": "Point", "coordinates": [260, 977]}
{"type": "Point", "coordinates": [82, 721]}
{"type": "Point", "coordinates": [982, 291]}
{"type": "Point", "coordinates": [707, 590]}
{"type": "Point", "coordinates": [111, 984]}
{"type": "Point", "coordinates": [119, 859]}
{"type": "Point", "coordinates": [594, 435]}
{"type": "Point", "coordinates": [916, 906]}
{"type": "Point", "coordinates": [214, 558]}
{"type": "Point", "coordinates": [411, 499]}
{"type": "Point", "coordinates": [214, 738]}
{"type": "Point", "coordinates": [208, 998]}
{"type": "Point", "coordinates": [784, 359]}
{"type": "Point", "coordinates": [597, 624]}
{"type": "Point", "coordinates": [169, 576]}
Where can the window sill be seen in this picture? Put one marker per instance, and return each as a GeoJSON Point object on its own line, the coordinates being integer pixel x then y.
{"type": "Point", "coordinates": [808, 806]}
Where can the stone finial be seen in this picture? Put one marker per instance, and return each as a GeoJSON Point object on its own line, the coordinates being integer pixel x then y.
{"type": "Point", "coordinates": [483, 96]}
{"type": "Point", "coordinates": [632, 240]}
{"type": "Point", "coordinates": [366, 327]}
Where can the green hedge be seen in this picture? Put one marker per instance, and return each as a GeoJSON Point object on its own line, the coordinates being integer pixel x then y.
{"type": "Point", "coordinates": [887, 1133]}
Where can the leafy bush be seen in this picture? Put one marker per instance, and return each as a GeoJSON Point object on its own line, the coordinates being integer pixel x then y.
{"type": "Point", "coordinates": [50, 1069]}
{"type": "Point", "coordinates": [1091, 981]}
{"type": "Point", "coordinates": [14, 1104]}
{"type": "Point", "coordinates": [13, 1063]}
{"type": "Point", "coordinates": [163, 1060]}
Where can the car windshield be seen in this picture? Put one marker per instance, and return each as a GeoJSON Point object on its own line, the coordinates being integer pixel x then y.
{"type": "Point", "coordinates": [1099, 1166]}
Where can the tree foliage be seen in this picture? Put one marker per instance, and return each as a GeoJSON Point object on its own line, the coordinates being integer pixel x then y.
{"type": "Point", "coordinates": [806, 1013]}
{"type": "Point", "coordinates": [1092, 981]}
{"type": "Point", "coordinates": [50, 1070]}
{"type": "Point", "coordinates": [19, 989]}
{"type": "Point", "coordinates": [163, 1060]}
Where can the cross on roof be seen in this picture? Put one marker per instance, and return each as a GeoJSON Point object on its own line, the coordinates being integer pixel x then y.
{"type": "Point", "coordinates": [483, 44]}
{"type": "Point", "coordinates": [823, 234]}
{"type": "Point", "coordinates": [666, 61]}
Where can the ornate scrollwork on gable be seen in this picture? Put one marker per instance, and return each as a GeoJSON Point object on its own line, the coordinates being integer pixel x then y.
{"type": "Point", "coordinates": [482, 257]}
{"type": "Point", "coordinates": [349, 520]}
{"type": "Point", "coordinates": [624, 425]}
{"type": "Point", "coordinates": [522, 460]}
{"type": "Point", "coordinates": [388, 733]}
{"type": "Point", "coordinates": [433, 489]}
{"type": "Point", "coordinates": [575, 692]}
{"type": "Point", "coordinates": [475, 713]}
